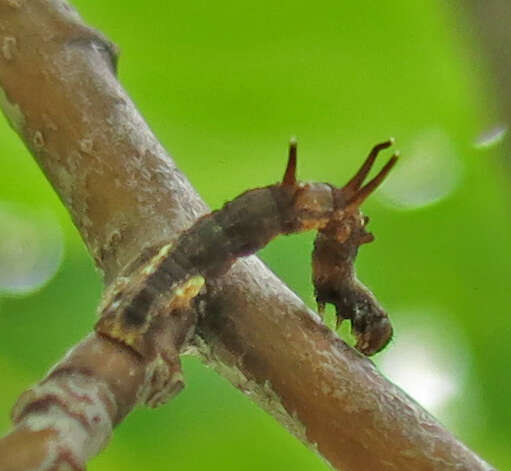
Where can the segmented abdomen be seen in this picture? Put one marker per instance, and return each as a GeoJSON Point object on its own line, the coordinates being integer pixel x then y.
{"type": "Point", "coordinates": [208, 249]}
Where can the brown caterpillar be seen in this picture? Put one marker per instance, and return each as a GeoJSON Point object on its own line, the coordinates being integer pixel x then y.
{"type": "Point", "coordinates": [175, 275]}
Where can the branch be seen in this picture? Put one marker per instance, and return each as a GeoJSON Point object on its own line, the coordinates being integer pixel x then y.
{"type": "Point", "coordinates": [60, 94]}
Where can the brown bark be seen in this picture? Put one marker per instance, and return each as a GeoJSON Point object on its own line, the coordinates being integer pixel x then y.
{"type": "Point", "coordinates": [488, 23]}
{"type": "Point", "coordinates": [59, 92]}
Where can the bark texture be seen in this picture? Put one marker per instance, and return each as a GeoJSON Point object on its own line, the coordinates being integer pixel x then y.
{"type": "Point", "coordinates": [59, 92]}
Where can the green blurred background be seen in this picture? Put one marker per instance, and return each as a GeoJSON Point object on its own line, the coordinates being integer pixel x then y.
{"type": "Point", "coordinates": [224, 85]}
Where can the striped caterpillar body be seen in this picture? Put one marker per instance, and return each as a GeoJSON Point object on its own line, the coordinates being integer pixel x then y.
{"type": "Point", "coordinates": [171, 278]}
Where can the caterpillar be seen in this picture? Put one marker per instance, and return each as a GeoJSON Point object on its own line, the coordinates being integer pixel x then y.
{"type": "Point", "coordinates": [173, 277]}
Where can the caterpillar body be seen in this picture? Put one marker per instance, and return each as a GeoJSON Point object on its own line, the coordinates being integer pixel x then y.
{"type": "Point", "coordinates": [171, 278]}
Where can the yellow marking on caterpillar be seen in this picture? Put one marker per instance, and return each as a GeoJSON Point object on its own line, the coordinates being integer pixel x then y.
{"type": "Point", "coordinates": [185, 292]}
{"type": "Point", "coordinates": [155, 261]}
{"type": "Point", "coordinates": [114, 330]}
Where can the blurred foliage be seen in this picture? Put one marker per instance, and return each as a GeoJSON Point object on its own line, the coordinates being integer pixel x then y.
{"type": "Point", "coordinates": [224, 85]}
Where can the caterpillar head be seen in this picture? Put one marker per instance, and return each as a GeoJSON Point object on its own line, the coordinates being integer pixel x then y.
{"type": "Point", "coordinates": [335, 251]}
{"type": "Point", "coordinates": [335, 213]}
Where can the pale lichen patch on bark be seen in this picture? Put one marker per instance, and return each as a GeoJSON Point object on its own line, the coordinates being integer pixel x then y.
{"type": "Point", "coordinates": [52, 449]}
{"type": "Point", "coordinates": [73, 161]}
{"type": "Point", "coordinates": [75, 408]}
{"type": "Point", "coordinates": [49, 123]}
{"type": "Point", "coordinates": [66, 10]}
{"type": "Point", "coordinates": [65, 181]}
{"type": "Point", "coordinates": [15, 3]}
{"type": "Point", "coordinates": [114, 237]}
{"type": "Point", "coordinates": [68, 431]}
{"type": "Point", "coordinates": [9, 47]}
{"type": "Point", "coordinates": [13, 112]}
{"type": "Point", "coordinates": [38, 140]}
{"type": "Point", "coordinates": [86, 145]}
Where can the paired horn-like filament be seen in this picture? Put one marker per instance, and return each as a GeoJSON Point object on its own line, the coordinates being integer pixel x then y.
{"type": "Point", "coordinates": [355, 193]}
{"type": "Point", "coordinates": [290, 173]}
{"type": "Point", "coordinates": [354, 184]}
{"type": "Point", "coordinates": [361, 195]}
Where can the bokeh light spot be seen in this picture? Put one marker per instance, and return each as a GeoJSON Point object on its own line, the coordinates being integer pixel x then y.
{"type": "Point", "coordinates": [428, 359]}
{"type": "Point", "coordinates": [31, 247]}
{"type": "Point", "coordinates": [491, 137]}
{"type": "Point", "coordinates": [425, 174]}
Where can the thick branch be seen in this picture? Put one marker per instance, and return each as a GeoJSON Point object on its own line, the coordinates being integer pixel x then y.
{"type": "Point", "coordinates": [60, 94]}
